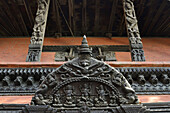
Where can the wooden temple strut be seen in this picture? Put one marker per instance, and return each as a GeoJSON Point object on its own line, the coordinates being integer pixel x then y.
{"type": "Point", "coordinates": [136, 46]}
{"type": "Point", "coordinates": [35, 48]}
{"type": "Point", "coordinates": [37, 39]}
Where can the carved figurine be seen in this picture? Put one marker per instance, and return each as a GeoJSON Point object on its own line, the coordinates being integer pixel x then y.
{"type": "Point", "coordinates": [33, 55]}
{"type": "Point", "coordinates": [30, 80]}
{"type": "Point", "coordinates": [138, 55]}
{"type": "Point", "coordinates": [48, 100]}
{"type": "Point", "coordinates": [38, 29]}
{"type": "Point", "coordinates": [18, 81]}
{"type": "Point", "coordinates": [50, 80]}
{"type": "Point", "coordinates": [113, 99]}
{"type": "Point", "coordinates": [132, 27]}
{"type": "Point", "coordinates": [101, 100]}
{"type": "Point", "coordinates": [131, 98]}
{"type": "Point", "coordinates": [6, 81]}
{"type": "Point", "coordinates": [57, 101]}
{"type": "Point", "coordinates": [153, 79]}
{"type": "Point", "coordinates": [85, 96]}
{"type": "Point", "coordinates": [69, 96]}
{"type": "Point", "coordinates": [165, 79]}
{"type": "Point", "coordinates": [39, 99]}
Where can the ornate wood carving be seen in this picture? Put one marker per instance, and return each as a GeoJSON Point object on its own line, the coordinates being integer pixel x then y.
{"type": "Point", "coordinates": [155, 79]}
{"type": "Point", "coordinates": [137, 52]}
{"type": "Point", "coordinates": [35, 48]}
{"type": "Point", "coordinates": [84, 81]}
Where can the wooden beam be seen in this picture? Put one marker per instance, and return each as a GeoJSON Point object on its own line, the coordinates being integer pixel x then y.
{"type": "Point", "coordinates": [141, 8]}
{"type": "Point", "coordinates": [10, 17]}
{"type": "Point", "coordinates": [136, 46]}
{"type": "Point", "coordinates": [84, 17]}
{"type": "Point", "coordinates": [5, 23]}
{"type": "Point", "coordinates": [97, 17]}
{"type": "Point", "coordinates": [112, 15]}
{"type": "Point", "coordinates": [156, 17]}
{"type": "Point", "coordinates": [29, 12]}
{"type": "Point", "coordinates": [149, 16]}
{"type": "Point", "coordinates": [122, 25]}
{"type": "Point", "coordinates": [58, 20]}
{"type": "Point", "coordinates": [21, 23]}
{"type": "Point", "coordinates": [70, 10]}
{"type": "Point", "coordinates": [37, 39]}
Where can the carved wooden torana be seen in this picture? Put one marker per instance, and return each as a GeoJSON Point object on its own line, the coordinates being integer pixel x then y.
{"type": "Point", "coordinates": [84, 81]}
{"type": "Point", "coordinates": [137, 53]}
{"type": "Point", "coordinates": [35, 48]}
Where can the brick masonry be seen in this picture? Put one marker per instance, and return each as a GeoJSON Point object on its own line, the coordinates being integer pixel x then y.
{"type": "Point", "coordinates": [16, 49]}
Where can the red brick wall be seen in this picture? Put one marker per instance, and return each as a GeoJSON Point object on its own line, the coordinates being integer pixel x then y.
{"type": "Point", "coordinates": [16, 49]}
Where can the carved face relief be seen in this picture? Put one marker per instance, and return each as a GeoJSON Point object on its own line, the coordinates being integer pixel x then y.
{"type": "Point", "coordinates": [84, 63]}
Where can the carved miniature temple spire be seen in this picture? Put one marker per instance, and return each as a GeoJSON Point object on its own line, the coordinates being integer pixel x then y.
{"type": "Point", "coordinates": [136, 46]}
{"type": "Point", "coordinates": [84, 46]}
{"type": "Point", "coordinates": [37, 38]}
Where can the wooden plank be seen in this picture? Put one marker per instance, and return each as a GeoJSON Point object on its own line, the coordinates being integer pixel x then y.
{"type": "Point", "coordinates": [156, 17]}
{"type": "Point", "coordinates": [22, 22]}
{"type": "Point", "coordinates": [84, 17]}
{"type": "Point", "coordinates": [153, 4]}
{"type": "Point", "coordinates": [29, 12]}
{"type": "Point", "coordinates": [9, 17]}
{"type": "Point", "coordinates": [97, 17]}
{"type": "Point", "coordinates": [115, 48]}
{"type": "Point", "coordinates": [141, 8]}
{"type": "Point", "coordinates": [112, 15]}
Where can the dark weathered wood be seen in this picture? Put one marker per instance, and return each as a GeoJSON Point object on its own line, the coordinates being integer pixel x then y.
{"type": "Point", "coordinates": [97, 17]}
{"type": "Point", "coordinates": [70, 10]}
{"type": "Point", "coordinates": [149, 16]}
{"type": "Point", "coordinates": [112, 15]}
{"type": "Point", "coordinates": [29, 12]}
{"type": "Point", "coordinates": [156, 16]}
{"type": "Point", "coordinates": [19, 17]}
{"type": "Point", "coordinates": [22, 24]}
{"type": "Point", "coordinates": [115, 48]}
{"type": "Point", "coordinates": [8, 15]}
{"type": "Point", "coordinates": [37, 39]}
{"type": "Point", "coordinates": [84, 16]}
{"type": "Point", "coordinates": [58, 20]}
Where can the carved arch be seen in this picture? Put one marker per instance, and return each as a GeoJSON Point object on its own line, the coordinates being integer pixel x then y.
{"type": "Point", "coordinates": [84, 81]}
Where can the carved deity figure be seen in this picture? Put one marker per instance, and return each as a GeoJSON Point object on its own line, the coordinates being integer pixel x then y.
{"type": "Point", "coordinates": [85, 96]}
{"type": "Point", "coordinates": [57, 101]}
{"type": "Point", "coordinates": [33, 56]}
{"type": "Point", "coordinates": [101, 100]}
{"type": "Point", "coordinates": [132, 23]}
{"type": "Point", "coordinates": [18, 81]}
{"type": "Point", "coordinates": [6, 81]}
{"type": "Point", "coordinates": [37, 34]}
{"type": "Point", "coordinates": [138, 55]}
{"type": "Point", "coordinates": [69, 96]}
{"type": "Point", "coordinates": [113, 99]}
{"type": "Point", "coordinates": [39, 99]}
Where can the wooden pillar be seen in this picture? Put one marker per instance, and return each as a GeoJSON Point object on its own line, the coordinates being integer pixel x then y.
{"type": "Point", "coordinates": [136, 46]}
{"type": "Point", "coordinates": [36, 45]}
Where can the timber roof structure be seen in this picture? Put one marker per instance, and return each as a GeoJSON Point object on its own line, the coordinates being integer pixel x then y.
{"type": "Point", "coordinates": [90, 17]}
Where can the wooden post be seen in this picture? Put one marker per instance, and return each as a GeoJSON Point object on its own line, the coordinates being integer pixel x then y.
{"type": "Point", "coordinates": [136, 46]}
{"type": "Point", "coordinates": [37, 39]}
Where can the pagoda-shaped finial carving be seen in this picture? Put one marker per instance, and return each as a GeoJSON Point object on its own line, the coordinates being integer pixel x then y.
{"type": "Point", "coordinates": [84, 46]}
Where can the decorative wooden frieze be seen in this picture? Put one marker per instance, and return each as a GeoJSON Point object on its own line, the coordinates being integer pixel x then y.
{"type": "Point", "coordinates": [35, 48]}
{"type": "Point", "coordinates": [144, 80]}
{"type": "Point", "coordinates": [136, 46]}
